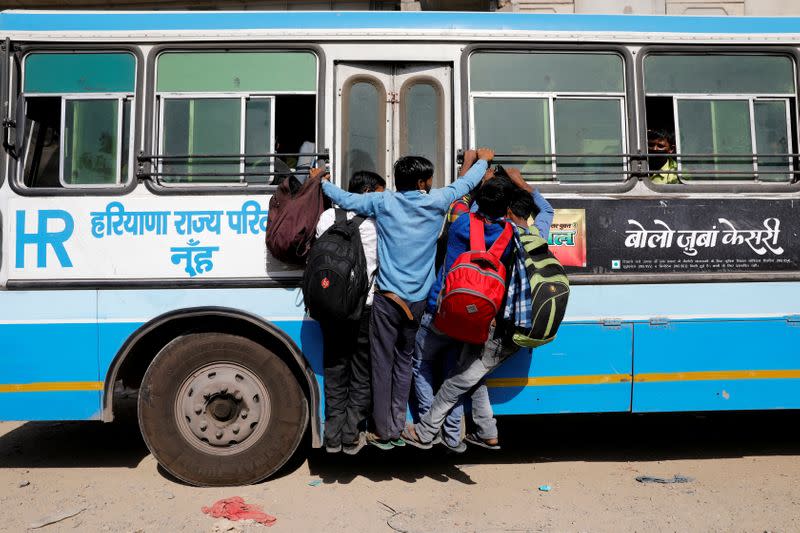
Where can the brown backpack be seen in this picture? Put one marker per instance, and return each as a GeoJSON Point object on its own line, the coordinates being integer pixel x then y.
{"type": "Point", "coordinates": [292, 219]}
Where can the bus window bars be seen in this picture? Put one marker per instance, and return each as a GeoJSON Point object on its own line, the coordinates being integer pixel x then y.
{"type": "Point", "coordinates": [150, 165]}
{"type": "Point", "coordinates": [704, 166]}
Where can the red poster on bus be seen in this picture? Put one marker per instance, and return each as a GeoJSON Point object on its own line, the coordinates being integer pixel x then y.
{"type": "Point", "coordinates": [568, 237]}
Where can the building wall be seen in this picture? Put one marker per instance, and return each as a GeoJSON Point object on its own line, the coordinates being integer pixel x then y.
{"type": "Point", "coordinates": [657, 7]}
{"type": "Point", "coordinates": [287, 5]}
{"type": "Point", "coordinates": [639, 7]}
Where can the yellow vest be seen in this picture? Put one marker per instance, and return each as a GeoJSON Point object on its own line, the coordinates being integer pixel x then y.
{"type": "Point", "coordinates": [667, 175]}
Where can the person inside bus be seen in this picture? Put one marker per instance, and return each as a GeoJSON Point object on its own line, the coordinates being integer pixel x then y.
{"type": "Point", "coordinates": [661, 149]}
{"type": "Point", "coordinates": [492, 200]}
{"type": "Point", "coordinates": [281, 169]}
{"type": "Point", "coordinates": [348, 395]}
{"type": "Point", "coordinates": [476, 361]}
{"type": "Point", "coordinates": [305, 161]}
{"type": "Point", "coordinates": [408, 223]}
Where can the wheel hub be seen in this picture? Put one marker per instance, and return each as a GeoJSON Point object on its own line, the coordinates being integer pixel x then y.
{"type": "Point", "coordinates": [222, 408]}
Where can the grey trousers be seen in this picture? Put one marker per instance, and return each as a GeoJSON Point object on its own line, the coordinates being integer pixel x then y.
{"type": "Point", "coordinates": [392, 338]}
{"type": "Point", "coordinates": [474, 363]}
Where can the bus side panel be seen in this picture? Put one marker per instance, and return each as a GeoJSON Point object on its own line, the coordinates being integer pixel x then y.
{"type": "Point", "coordinates": [587, 369]}
{"type": "Point", "coordinates": [48, 356]}
{"type": "Point", "coordinates": [716, 365]}
{"type": "Point", "coordinates": [122, 312]}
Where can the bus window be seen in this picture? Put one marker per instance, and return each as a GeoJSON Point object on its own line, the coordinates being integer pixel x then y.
{"type": "Point", "coordinates": [559, 116]}
{"type": "Point", "coordinates": [365, 103]}
{"type": "Point", "coordinates": [421, 104]}
{"type": "Point", "coordinates": [77, 109]}
{"type": "Point", "coordinates": [225, 128]}
{"type": "Point", "coordinates": [724, 117]}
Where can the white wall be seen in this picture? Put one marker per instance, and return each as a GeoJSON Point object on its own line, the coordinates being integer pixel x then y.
{"type": "Point", "coordinates": [658, 7]}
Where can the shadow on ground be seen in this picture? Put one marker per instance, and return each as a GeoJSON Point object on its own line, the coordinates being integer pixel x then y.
{"type": "Point", "coordinates": [533, 439]}
{"type": "Point", "coordinates": [590, 438]}
{"type": "Point", "coordinates": [73, 445]}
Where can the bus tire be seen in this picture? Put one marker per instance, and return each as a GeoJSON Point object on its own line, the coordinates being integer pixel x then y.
{"type": "Point", "coordinates": [218, 409]}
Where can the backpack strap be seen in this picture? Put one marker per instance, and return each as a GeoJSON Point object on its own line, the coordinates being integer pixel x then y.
{"type": "Point", "coordinates": [341, 217]}
{"type": "Point", "coordinates": [502, 241]}
{"type": "Point", "coordinates": [477, 241]}
{"type": "Point", "coordinates": [358, 220]}
{"type": "Point", "coordinates": [534, 244]}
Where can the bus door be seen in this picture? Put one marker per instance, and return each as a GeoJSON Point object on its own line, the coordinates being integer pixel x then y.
{"type": "Point", "coordinates": [388, 110]}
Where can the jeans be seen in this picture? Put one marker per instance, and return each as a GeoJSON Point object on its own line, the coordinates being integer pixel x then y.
{"type": "Point", "coordinates": [392, 337]}
{"type": "Point", "coordinates": [435, 353]}
{"type": "Point", "coordinates": [474, 363]}
{"type": "Point", "coordinates": [348, 397]}
{"type": "Point", "coordinates": [482, 413]}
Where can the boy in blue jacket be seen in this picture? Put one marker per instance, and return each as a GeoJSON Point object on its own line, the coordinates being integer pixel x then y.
{"type": "Point", "coordinates": [408, 223]}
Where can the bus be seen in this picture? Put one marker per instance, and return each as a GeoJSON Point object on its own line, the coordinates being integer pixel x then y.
{"type": "Point", "coordinates": [140, 150]}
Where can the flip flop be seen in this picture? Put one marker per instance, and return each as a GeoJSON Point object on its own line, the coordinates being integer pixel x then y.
{"type": "Point", "coordinates": [475, 440]}
{"type": "Point", "coordinates": [458, 448]}
{"type": "Point", "coordinates": [376, 441]}
{"type": "Point", "coordinates": [355, 447]}
{"type": "Point", "coordinates": [410, 436]}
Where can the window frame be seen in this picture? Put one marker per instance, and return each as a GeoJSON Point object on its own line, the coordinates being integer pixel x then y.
{"type": "Point", "coordinates": [410, 83]}
{"type": "Point", "coordinates": [718, 186]}
{"type": "Point", "coordinates": [151, 112]}
{"type": "Point", "coordinates": [551, 98]}
{"type": "Point", "coordinates": [120, 98]}
{"type": "Point", "coordinates": [6, 54]}
{"type": "Point", "coordinates": [17, 97]}
{"type": "Point", "coordinates": [628, 97]}
{"type": "Point", "coordinates": [243, 98]}
{"type": "Point", "coordinates": [751, 100]}
{"type": "Point", "coordinates": [381, 122]}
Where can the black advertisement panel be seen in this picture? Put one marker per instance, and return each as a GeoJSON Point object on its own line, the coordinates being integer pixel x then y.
{"type": "Point", "coordinates": [676, 236]}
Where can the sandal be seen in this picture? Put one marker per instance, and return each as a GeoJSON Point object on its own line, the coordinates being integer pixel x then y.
{"type": "Point", "coordinates": [379, 443]}
{"type": "Point", "coordinates": [410, 436]}
{"type": "Point", "coordinates": [355, 447]}
{"type": "Point", "coordinates": [475, 440]}
{"type": "Point", "coordinates": [458, 448]}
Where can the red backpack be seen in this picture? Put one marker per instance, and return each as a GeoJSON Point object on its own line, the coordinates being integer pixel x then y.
{"type": "Point", "coordinates": [474, 287]}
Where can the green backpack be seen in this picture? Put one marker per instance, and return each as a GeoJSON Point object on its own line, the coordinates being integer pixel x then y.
{"type": "Point", "coordinates": [549, 293]}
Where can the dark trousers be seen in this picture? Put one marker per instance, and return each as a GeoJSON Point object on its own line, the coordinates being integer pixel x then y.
{"type": "Point", "coordinates": [348, 395]}
{"type": "Point", "coordinates": [392, 337]}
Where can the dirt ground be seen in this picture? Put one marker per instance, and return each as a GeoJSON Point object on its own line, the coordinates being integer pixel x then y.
{"type": "Point", "coordinates": [744, 468]}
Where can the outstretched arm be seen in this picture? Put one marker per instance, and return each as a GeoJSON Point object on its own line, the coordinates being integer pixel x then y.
{"type": "Point", "coordinates": [469, 181]}
{"type": "Point", "coordinates": [363, 204]}
{"type": "Point", "coordinates": [544, 219]}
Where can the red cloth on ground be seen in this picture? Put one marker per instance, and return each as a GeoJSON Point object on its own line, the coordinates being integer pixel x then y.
{"type": "Point", "coordinates": [235, 509]}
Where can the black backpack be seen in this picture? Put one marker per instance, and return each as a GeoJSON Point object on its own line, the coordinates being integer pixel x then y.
{"type": "Point", "coordinates": [335, 282]}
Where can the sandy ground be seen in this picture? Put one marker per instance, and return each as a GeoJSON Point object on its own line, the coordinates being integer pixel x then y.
{"type": "Point", "coordinates": [745, 470]}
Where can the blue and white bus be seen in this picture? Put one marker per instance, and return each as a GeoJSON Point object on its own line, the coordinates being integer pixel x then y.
{"type": "Point", "coordinates": [140, 151]}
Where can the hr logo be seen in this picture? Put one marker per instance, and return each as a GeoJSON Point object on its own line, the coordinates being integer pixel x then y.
{"type": "Point", "coordinates": [53, 228]}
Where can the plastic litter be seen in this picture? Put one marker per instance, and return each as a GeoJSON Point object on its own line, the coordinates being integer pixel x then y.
{"type": "Point", "coordinates": [677, 478]}
{"type": "Point", "coordinates": [56, 517]}
{"type": "Point", "coordinates": [315, 483]}
{"type": "Point", "coordinates": [545, 488]}
{"type": "Point", "coordinates": [236, 509]}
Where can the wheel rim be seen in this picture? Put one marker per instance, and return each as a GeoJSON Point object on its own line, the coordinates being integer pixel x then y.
{"type": "Point", "coordinates": [222, 408]}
